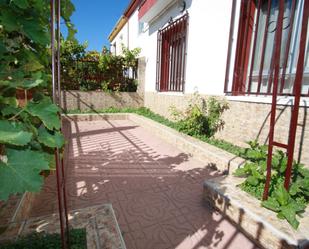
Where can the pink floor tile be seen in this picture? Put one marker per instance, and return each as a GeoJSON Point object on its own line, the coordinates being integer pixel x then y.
{"type": "Point", "coordinates": [155, 189]}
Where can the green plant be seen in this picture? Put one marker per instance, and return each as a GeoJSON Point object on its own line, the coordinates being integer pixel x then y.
{"type": "Point", "coordinates": [201, 117]}
{"type": "Point", "coordinates": [48, 241]}
{"type": "Point", "coordinates": [288, 204]}
{"type": "Point", "coordinates": [29, 121]}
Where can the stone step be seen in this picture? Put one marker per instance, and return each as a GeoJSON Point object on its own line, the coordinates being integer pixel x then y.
{"type": "Point", "coordinates": [260, 224]}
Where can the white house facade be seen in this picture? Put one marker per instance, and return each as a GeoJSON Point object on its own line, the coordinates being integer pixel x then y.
{"type": "Point", "coordinates": [220, 48]}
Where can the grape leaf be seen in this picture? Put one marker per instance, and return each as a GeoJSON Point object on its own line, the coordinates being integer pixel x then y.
{"type": "Point", "coordinates": [8, 20]}
{"type": "Point", "coordinates": [51, 161]}
{"type": "Point", "coordinates": [23, 4]}
{"type": "Point", "coordinates": [21, 172]}
{"type": "Point", "coordinates": [46, 111]}
{"type": "Point", "coordinates": [55, 140]}
{"type": "Point", "coordinates": [35, 32]}
{"type": "Point", "coordinates": [12, 101]}
{"type": "Point", "coordinates": [13, 133]}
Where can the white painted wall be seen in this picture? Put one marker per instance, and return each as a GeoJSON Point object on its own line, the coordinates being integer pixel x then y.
{"type": "Point", "coordinates": [121, 38]}
{"type": "Point", "coordinates": [208, 34]}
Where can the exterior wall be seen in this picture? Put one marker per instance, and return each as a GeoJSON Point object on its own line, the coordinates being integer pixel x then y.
{"type": "Point", "coordinates": [128, 35]}
{"type": "Point", "coordinates": [245, 121]}
{"type": "Point", "coordinates": [121, 38]}
{"type": "Point", "coordinates": [79, 100]}
{"type": "Point", "coordinates": [206, 46]}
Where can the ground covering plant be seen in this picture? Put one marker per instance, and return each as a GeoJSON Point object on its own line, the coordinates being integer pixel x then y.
{"type": "Point", "coordinates": [287, 204]}
{"type": "Point", "coordinates": [93, 70]}
{"type": "Point", "coordinates": [201, 117]}
{"type": "Point", "coordinates": [29, 121]}
{"type": "Point", "coordinates": [48, 241]}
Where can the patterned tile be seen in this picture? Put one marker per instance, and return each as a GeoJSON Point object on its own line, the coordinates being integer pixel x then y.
{"type": "Point", "coordinates": [155, 189]}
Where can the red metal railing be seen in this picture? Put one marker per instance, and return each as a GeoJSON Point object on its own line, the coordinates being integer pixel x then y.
{"type": "Point", "coordinates": [171, 56]}
{"type": "Point", "coordinates": [248, 55]}
{"type": "Point", "coordinates": [297, 93]}
{"type": "Point", "coordinates": [56, 92]}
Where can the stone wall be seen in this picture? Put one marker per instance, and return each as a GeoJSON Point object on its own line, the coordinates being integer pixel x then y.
{"type": "Point", "coordinates": [93, 100]}
{"type": "Point", "coordinates": [244, 121]}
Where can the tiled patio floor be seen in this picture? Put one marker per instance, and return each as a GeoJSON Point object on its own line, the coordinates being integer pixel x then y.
{"type": "Point", "coordinates": [155, 189]}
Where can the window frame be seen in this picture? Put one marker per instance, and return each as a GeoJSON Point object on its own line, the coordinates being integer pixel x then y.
{"type": "Point", "coordinates": [243, 71]}
{"type": "Point", "coordinates": [171, 55]}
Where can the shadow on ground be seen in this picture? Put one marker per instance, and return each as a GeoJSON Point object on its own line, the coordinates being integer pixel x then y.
{"type": "Point", "coordinates": [155, 189]}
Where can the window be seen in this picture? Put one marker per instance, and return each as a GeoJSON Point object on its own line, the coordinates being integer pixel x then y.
{"type": "Point", "coordinates": [171, 56]}
{"type": "Point", "coordinates": [253, 69]}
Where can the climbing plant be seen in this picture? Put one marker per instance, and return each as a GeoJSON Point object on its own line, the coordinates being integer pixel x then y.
{"type": "Point", "coordinates": [29, 121]}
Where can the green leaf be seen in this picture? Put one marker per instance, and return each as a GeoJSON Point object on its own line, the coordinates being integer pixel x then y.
{"type": "Point", "coordinates": [289, 213]}
{"type": "Point", "coordinates": [12, 101]}
{"type": "Point", "coordinates": [46, 111]}
{"type": "Point", "coordinates": [9, 20]}
{"type": "Point", "coordinates": [21, 172]}
{"type": "Point", "coordinates": [35, 32]}
{"type": "Point", "coordinates": [240, 172]}
{"type": "Point", "coordinates": [281, 195]}
{"type": "Point", "coordinates": [32, 66]}
{"type": "Point", "coordinates": [55, 140]}
{"type": "Point", "coordinates": [272, 204]}
{"type": "Point", "coordinates": [9, 110]}
{"type": "Point", "coordinates": [51, 160]}
{"type": "Point", "coordinates": [252, 180]}
{"type": "Point", "coordinates": [294, 189]}
{"type": "Point", "coordinates": [13, 133]}
{"type": "Point", "coordinates": [23, 4]}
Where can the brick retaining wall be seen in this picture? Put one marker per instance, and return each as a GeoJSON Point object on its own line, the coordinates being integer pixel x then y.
{"type": "Point", "coordinates": [244, 121]}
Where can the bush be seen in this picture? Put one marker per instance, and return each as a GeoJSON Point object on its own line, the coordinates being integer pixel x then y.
{"type": "Point", "coordinates": [91, 70]}
{"type": "Point", "coordinates": [200, 117]}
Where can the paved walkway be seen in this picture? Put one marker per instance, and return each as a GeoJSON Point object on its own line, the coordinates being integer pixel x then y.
{"type": "Point", "coordinates": [155, 189]}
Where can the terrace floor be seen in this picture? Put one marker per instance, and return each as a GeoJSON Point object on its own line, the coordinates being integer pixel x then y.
{"type": "Point", "coordinates": [155, 189]}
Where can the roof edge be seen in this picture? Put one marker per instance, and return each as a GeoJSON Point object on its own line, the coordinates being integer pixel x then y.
{"type": "Point", "coordinates": [118, 26]}
{"type": "Point", "coordinates": [133, 5]}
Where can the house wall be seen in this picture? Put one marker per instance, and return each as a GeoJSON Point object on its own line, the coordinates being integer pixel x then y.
{"type": "Point", "coordinates": [245, 121]}
{"type": "Point", "coordinates": [207, 45]}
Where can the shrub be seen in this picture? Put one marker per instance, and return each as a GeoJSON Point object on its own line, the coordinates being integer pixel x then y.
{"type": "Point", "coordinates": [201, 117]}
{"type": "Point", "coordinates": [91, 70]}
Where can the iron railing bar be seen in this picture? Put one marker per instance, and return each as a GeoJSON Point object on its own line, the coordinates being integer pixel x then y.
{"type": "Point", "coordinates": [243, 76]}
{"type": "Point", "coordinates": [297, 91]}
{"type": "Point", "coordinates": [287, 50]}
{"type": "Point", "coordinates": [236, 73]}
{"type": "Point", "coordinates": [185, 53]}
{"type": "Point", "coordinates": [264, 46]}
{"type": "Point", "coordinates": [180, 53]}
{"type": "Point", "coordinates": [158, 60]}
{"type": "Point", "coordinates": [254, 45]}
{"type": "Point", "coordinates": [278, 38]}
{"type": "Point", "coordinates": [285, 146]}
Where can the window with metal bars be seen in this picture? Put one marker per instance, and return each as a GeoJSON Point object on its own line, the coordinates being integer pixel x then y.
{"type": "Point", "coordinates": [171, 56]}
{"type": "Point", "coordinates": [254, 58]}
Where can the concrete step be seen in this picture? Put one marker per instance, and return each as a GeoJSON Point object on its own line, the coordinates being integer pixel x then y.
{"type": "Point", "coordinates": [260, 224]}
